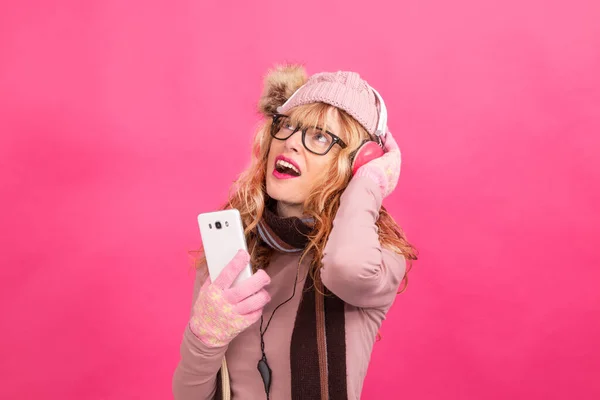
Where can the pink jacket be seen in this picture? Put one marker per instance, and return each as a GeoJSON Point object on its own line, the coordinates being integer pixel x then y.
{"type": "Point", "coordinates": [355, 268]}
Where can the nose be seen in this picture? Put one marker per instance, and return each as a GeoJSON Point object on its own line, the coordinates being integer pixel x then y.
{"type": "Point", "coordinates": [294, 142]}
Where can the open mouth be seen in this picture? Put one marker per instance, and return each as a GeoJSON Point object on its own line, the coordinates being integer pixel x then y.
{"type": "Point", "coordinates": [286, 168]}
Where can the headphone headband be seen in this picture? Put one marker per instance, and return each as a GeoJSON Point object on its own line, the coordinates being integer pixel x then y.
{"type": "Point", "coordinates": [382, 120]}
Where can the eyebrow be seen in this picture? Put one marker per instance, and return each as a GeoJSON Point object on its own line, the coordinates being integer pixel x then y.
{"type": "Point", "coordinates": [320, 128]}
{"type": "Point", "coordinates": [300, 123]}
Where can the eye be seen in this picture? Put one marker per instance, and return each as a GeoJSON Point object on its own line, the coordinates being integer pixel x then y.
{"type": "Point", "coordinates": [287, 124]}
{"type": "Point", "coordinates": [320, 137]}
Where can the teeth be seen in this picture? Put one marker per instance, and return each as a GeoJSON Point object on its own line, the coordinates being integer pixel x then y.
{"type": "Point", "coordinates": [288, 165]}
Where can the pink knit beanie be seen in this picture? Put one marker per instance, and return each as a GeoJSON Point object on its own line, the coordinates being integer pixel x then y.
{"type": "Point", "coordinates": [347, 91]}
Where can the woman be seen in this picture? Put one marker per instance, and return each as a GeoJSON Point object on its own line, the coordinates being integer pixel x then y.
{"type": "Point", "coordinates": [328, 258]}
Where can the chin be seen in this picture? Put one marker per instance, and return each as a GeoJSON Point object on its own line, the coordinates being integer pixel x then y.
{"type": "Point", "coordinates": [283, 192]}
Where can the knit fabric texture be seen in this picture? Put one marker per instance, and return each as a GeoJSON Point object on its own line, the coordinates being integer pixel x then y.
{"type": "Point", "coordinates": [343, 89]}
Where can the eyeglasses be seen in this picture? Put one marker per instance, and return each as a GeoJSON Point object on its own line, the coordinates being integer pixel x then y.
{"type": "Point", "coordinates": [316, 140]}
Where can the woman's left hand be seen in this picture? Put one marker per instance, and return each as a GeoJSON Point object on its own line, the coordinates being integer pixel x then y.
{"type": "Point", "coordinates": [384, 170]}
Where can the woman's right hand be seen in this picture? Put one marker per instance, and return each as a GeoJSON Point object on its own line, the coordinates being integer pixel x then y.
{"type": "Point", "coordinates": [221, 312]}
{"type": "Point", "coordinates": [384, 170]}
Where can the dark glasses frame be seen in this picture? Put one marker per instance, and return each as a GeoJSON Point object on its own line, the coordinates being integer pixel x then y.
{"type": "Point", "coordinates": [275, 127]}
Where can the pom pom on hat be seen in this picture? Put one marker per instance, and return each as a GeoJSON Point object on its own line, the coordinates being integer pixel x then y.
{"type": "Point", "coordinates": [279, 84]}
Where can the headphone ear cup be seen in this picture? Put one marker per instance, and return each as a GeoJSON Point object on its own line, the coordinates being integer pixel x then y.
{"type": "Point", "coordinates": [369, 151]}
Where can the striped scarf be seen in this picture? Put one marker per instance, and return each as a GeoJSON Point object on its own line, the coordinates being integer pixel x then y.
{"type": "Point", "coordinates": [318, 345]}
{"type": "Point", "coordinates": [287, 235]}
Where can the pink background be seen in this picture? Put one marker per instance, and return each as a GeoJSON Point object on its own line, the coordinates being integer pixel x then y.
{"type": "Point", "coordinates": [121, 121]}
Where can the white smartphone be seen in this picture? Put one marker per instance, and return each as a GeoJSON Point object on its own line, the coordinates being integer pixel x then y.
{"type": "Point", "coordinates": [222, 237]}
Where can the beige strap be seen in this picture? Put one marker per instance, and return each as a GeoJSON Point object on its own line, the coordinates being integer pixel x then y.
{"type": "Point", "coordinates": [225, 384]}
{"type": "Point", "coordinates": [321, 340]}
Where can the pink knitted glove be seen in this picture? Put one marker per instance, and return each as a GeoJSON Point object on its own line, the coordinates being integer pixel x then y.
{"type": "Point", "coordinates": [221, 312]}
{"type": "Point", "coordinates": [384, 170]}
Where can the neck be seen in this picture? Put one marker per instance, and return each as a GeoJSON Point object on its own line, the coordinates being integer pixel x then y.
{"type": "Point", "coordinates": [286, 210]}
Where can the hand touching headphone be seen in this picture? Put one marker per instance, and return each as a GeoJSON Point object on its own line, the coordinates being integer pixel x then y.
{"type": "Point", "coordinates": [379, 161]}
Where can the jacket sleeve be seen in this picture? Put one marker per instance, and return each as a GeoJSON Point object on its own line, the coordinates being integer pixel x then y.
{"type": "Point", "coordinates": [355, 267]}
{"type": "Point", "coordinates": [195, 377]}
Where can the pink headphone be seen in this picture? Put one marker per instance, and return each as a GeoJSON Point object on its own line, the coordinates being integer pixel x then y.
{"type": "Point", "coordinates": [370, 149]}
